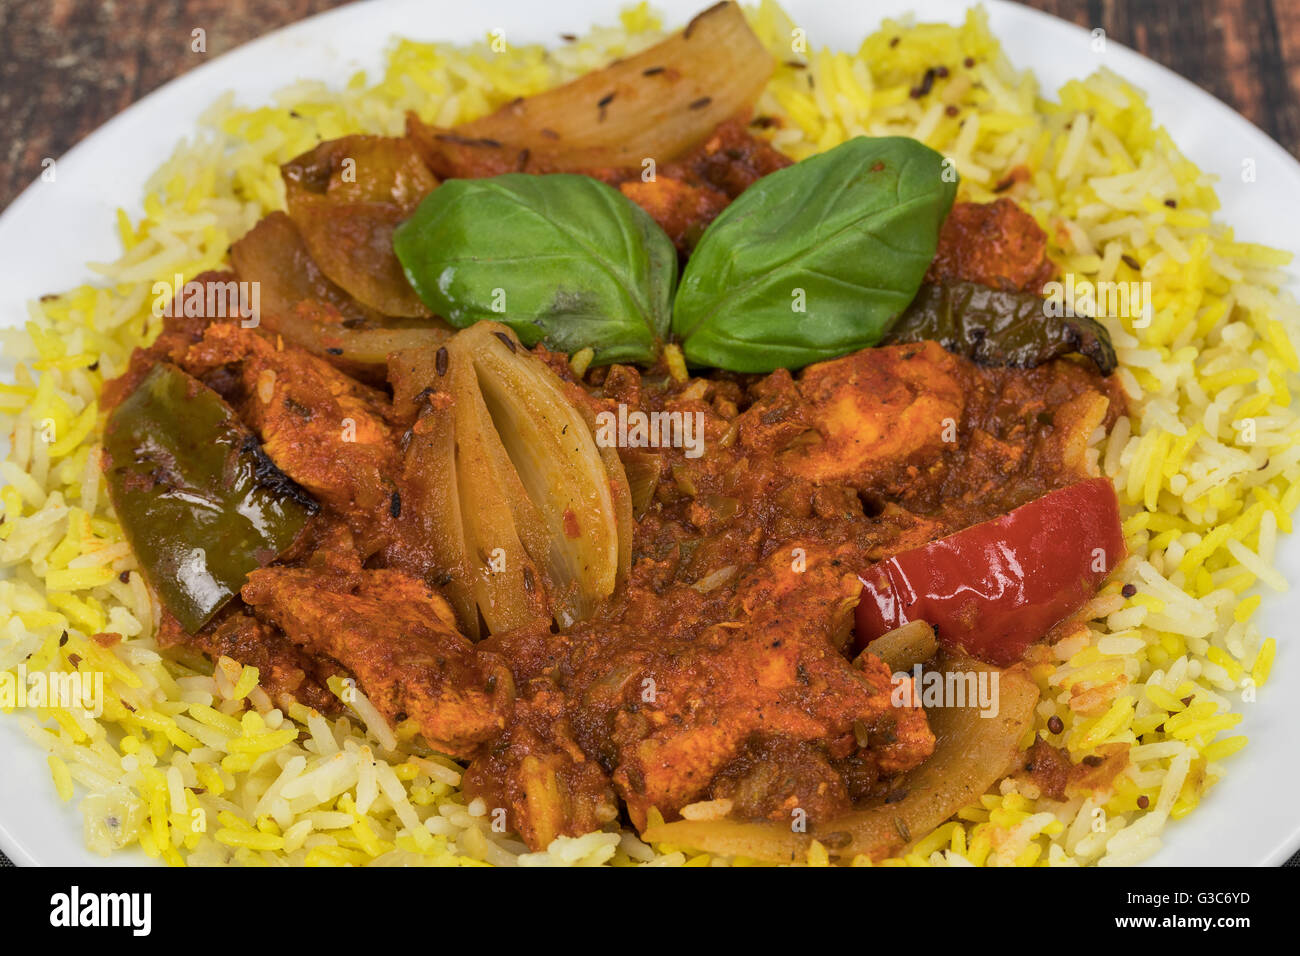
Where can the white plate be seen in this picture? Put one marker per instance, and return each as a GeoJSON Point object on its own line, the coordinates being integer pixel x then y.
{"type": "Point", "coordinates": [50, 232]}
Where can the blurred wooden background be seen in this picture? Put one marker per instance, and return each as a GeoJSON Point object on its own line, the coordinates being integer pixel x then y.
{"type": "Point", "coordinates": [67, 66]}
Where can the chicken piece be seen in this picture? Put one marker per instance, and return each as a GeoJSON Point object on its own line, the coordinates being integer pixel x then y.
{"type": "Point", "coordinates": [539, 775]}
{"type": "Point", "coordinates": [671, 692]}
{"type": "Point", "coordinates": [731, 160]}
{"type": "Point", "coordinates": [1025, 432]}
{"type": "Point", "coordinates": [689, 193]}
{"type": "Point", "coordinates": [870, 418]}
{"type": "Point", "coordinates": [915, 426]}
{"type": "Point", "coordinates": [681, 210]}
{"type": "Point", "coordinates": [774, 777]}
{"type": "Point", "coordinates": [1066, 400]}
{"type": "Point", "coordinates": [283, 669]}
{"type": "Point", "coordinates": [399, 637]}
{"type": "Point", "coordinates": [671, 712]}
{"type": "Point", "coordinates": [326, 431]}
{"type": "Point", "coordinates": [997, 244]}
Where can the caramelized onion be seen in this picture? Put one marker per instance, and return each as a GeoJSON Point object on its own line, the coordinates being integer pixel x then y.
{"type": "Point", "coordinates": [514, 508]}
{"type": "Point", "coordinates": [273, 255]}
{"type": "Point", "coordinates": [360, 352]}
{"type": "Point", "coordinates": [564, 474]}
{"type": "Point", "coordinates": [642, 469]}
{"type": "Point", "coordinates": [496, 512]}
{"type": "Point", "coordinates": [346, 197]}
{"type": "Point", "coordinates": [656, 104]}
{"type": "Point", "coordinates": [972, 753]}
{"type": "Point", "coordinates": [432, 497]}
{"type": "Point", "coordinates": [904, 647]}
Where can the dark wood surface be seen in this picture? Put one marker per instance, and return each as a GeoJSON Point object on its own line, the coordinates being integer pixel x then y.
{"type": "Point", "coordinates": [67, 66]}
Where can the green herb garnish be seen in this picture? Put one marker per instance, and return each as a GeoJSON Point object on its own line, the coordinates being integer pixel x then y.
{"type": "Point", "coordinates": [561, 259]}
{"type": "Point", "coordinates": [815, 260]}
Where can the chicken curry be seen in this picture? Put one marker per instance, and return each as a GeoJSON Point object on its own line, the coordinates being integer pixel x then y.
{"type": "Point", "coordinates": [601, 631]}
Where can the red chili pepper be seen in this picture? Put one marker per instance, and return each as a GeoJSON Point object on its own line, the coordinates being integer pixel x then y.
{"type": "Point", "coordinates": [995, 588]}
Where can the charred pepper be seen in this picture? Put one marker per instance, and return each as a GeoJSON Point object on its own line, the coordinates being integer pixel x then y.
{"type": "Point", "coordinates": [1000, 327]}
{"type": "Point", "coordinates": [199, 501]}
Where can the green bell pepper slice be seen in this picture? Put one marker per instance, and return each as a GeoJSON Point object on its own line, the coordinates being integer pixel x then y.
{"type": "Point", "coordinates": [200, 503]}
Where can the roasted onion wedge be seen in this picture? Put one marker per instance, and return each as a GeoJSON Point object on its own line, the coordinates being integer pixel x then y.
{"type": "Point", "coordinates": [346, 197]}
{"type": "Point", "coordinates": [358, 349]}
{"type": "Point", "coordinates": [508, 502]}
{"type": "Point", "coordinates": [621, 495]}
{"type": "Point", "coordinates": [971, 754]}
{"type": "Point", "coordinates": [578, 490]}
{"type": "Point", "coordinates": [273, 255]}
{"type": "Point", "coordinates": [352, 242]}
{"type": "Point", "coordinates": [642, 468]}
{"type": "Point", "coordinates": [656, 104]}
{"type": "Point", "coordinates": [904, 647]}
{"type": "Point", "coordinates": [432, 499]}
{"type": "Point", "coordinates": [507, 581]}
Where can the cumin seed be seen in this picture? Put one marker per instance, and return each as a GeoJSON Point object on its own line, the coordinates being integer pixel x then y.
{"type": "Point", "coordinates": [925, 86]}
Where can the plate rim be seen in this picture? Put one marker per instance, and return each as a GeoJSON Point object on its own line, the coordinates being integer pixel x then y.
{"type": "Point", "coordinates": [204, 82]}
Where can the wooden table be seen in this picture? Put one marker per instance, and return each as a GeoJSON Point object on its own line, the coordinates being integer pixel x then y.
{"type": "Point", "coordinates": [67, 66]}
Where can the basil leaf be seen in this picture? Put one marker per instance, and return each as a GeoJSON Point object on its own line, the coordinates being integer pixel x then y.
{"type": "Point", "coordinates": [562, 259]}
{"type": "Point", "coordinates": [1001, 327]}
{"type": "Point", "coordinates": [850, 232]}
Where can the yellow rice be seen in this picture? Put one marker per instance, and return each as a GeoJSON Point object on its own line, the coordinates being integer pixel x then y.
{"type": "Point", "coordinates": [199, 767]}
